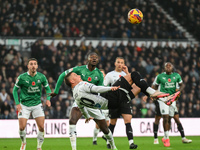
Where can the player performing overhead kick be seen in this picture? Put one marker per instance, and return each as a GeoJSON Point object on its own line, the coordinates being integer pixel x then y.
{"type": "Point", "coordinates": [110, 97]}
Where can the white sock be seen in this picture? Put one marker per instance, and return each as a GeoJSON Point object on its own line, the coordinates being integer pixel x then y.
{"type": "Point", "coordinates": [166, 134]}
{"type": "Point", "coordinates": [183, 138]}
{"type": "Point", "coordinates": [95, 133]}
{"type": "Point", "coordinates": [23, 136]}
{"type": "Point", "coordinates": [150, 90]}
{"type": "Point", "coordinates": [109, 137]}
{"type": "Point", "coordinates": [40, 139]}
{"type": "Point", "coordinates": [72, 136]}
{"type": "Point", "coordinates": [131, 141]}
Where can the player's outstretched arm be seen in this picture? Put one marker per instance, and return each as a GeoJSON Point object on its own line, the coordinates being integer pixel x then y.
{"type": "Point", "coordinates": [102, 89]}
{"type": "Point", "coordinates": [58, 84]}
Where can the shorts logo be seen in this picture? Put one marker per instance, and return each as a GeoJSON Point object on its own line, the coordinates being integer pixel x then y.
{"type": "Point", "coordinates": [33, 83]}
{"type": "Point", "coordinates": [169, 80]}
{"type": "Point", "coordinates": [89, 79]}
{"type": "Point", "coordinates": [20, 113]}
{"type": "Point", "coordinates": [163, 111]}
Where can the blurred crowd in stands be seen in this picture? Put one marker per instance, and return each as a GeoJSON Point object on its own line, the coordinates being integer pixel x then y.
{"type": "Point", "coordinates": [187, 12]}
{"type": "Point", "coordinates": [148, 60]}
{"type": "Point", "coordinates": [89, 18]}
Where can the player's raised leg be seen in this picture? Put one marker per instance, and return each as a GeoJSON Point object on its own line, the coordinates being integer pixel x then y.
{"type": "Point", "coordinates": [75, 115]}
{"type": "Point", "coordinates": [136, 78]}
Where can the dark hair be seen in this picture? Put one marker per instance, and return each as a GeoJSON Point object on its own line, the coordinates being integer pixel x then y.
{"type": "Point", "coordinates": [120, 58]}
{"type": "Point", "coordinates": [92, 53]}
{"type": "Point", "coordinates": [173, 68]}
{"type": "Point", "coordinates": [32, 59]}
{"type": "Point", "coordinates": [66, 79]}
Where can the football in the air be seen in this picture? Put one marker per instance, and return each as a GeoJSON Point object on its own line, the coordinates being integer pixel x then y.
{"type": "Point", "coordinates": [135, 16]}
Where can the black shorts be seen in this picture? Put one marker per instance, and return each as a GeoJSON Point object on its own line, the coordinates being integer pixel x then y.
{"type": "Point", "coordinates": [125, 108]}
{"type": "Point", "coordinates": [118, 97]}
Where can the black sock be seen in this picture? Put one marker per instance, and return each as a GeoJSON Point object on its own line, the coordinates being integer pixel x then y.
{"type": "Point", "coordinates": [180, 129]}
{"type": "Point", "coordinates": [155, 130]}
{"type": "Point", "coordinates": [140, 82]}
{"type": "Point", "coordinates": [129, 131]}
{"type": "Point", "coordinates": [111, 127]}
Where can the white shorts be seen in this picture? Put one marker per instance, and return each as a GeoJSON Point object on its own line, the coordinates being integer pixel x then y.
{"type": "Point", "coordinates": [37, 111]}
{"type": "Point", "coordinates": [164, 109]}
{"type": "Point", "coordinates": [95, 113]}
{"type": "Point", "coordinates": [173, 109]}
{"type": "Point", "coordinates": [106, 114]}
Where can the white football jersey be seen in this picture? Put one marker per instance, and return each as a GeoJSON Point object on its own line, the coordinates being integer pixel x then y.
{"type": "Point", "coordinates": [112, 77]}
{"type": "Point", "coordinates": [83, 96]}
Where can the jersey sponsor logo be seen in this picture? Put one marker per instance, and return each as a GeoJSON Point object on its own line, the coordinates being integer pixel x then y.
{"type": "Point", "coordinates": [20, 113]}
{"type": "Point", "coordinates": [89, 79]}
{"type": "Point", "coordinates": [169, 85]}
{"type": "Point", "coordinates": [33, 83]}
{"type": "Point", "coordinates": [169, 80]}
{"type": "Point", "coordinates": [33, 89]}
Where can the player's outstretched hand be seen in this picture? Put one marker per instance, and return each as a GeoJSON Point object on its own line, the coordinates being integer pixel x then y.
{"type": "Point", "coordinates": [19, 108]}
{"type": "Point", "coordinates": [114, 88]}
{"type": "Point", "coordinates": [48, 103]}
{"type": "Point", "coordinates": [52, 94]}
{"type": "Point", "coordinates": [125, 69]}
{"type": "Point", "coordinates": [88, 119]}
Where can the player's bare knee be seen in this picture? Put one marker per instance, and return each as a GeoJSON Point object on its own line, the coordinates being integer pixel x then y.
{"type": "Point", "coordinates": [22, 128]}
{"type": "Point", "coordinates": [73, 121]}
{"type": "Point", "coordinates": [105, 130]}
{"type": "Point", "coordinates": [41, 128]}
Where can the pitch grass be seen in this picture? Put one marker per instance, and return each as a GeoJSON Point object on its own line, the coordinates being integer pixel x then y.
{"type": "Point", "coordinates": [144, 143]}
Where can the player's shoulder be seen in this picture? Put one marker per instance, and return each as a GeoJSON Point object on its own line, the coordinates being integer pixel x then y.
{"type": "Point", "coordinates": [23, 75]}
{"type": "Point", "coordinates": [81, 67]}
{"type": "Point", "coordinates": [111, 73]}
{"type": "Point", "coordinates": [40, 74]}
{"type": "Point", "coordinates": [176, 74]}
{"type": "Point", "coordinates": [161, 74]}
